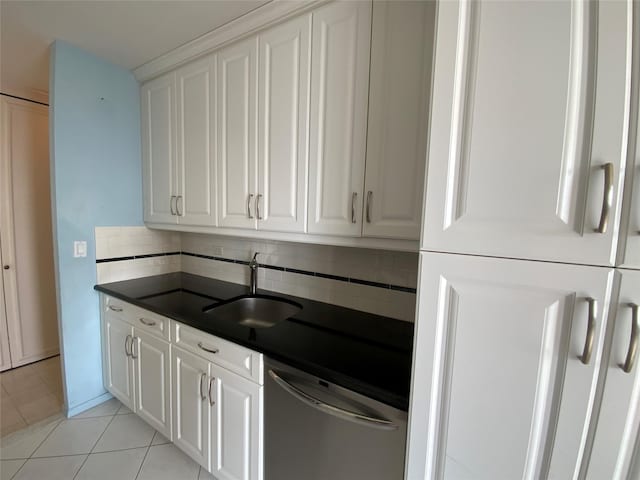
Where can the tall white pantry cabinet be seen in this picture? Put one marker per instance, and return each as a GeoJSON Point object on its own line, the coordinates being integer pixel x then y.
{"type": "Point", "coordinates": [527, 329]}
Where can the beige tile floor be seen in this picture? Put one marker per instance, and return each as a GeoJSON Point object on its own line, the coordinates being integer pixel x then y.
{"type": "Point", "coordinates": [30, 394]}
{"type": "Point", "coordinates": [107, 442]}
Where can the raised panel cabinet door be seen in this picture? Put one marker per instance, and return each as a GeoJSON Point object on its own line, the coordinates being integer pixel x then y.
{"type": "Point", "coordinates": [399, 84]}
{"type": "Point", "coordinates": [283, 117]}
{"type": "Point", "coordinates": [338, 119]}
{"type": "Point", "coordinates": [159, 149]}
{"type": "Point", "coordinates": [196, 168]}
{"type": "Point", "coordinates": [501, 385]}
{"type": "Point", "coordinates": [236, 87]}
{"type": "Point", "coordinates": [618, 429]}
{"type": "Point", "coordinates": [117, 337]}
{"type": "Point", "coordinates": [152, 366]}
{"type": "Point", "coordinates": [191, 405]}
{"type": "Point", "coordinates": [236, 427]}
{"type": "Point", "coordinates": [630, 245]}
{"type": "Point", "coordinates": [528, 129]}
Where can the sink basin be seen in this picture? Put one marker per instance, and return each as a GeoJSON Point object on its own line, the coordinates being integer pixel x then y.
{"type": "Point", "coordinates": [255, 311]}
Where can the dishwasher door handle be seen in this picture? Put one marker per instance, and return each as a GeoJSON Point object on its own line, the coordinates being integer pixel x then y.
{"type": "Point", "coordinates": [355, 417]}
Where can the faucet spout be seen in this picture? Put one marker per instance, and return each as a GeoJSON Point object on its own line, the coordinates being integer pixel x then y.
{"type": "Point", "coordinates": [253, 267]}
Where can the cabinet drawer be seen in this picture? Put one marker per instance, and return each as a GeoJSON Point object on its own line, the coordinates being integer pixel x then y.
{"type": "Point", "coordinates": [140, 318]}
{"type": "Point", "coordinates": [241, 360]}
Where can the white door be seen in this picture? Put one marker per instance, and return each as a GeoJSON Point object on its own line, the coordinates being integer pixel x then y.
{"type": "Point", "coordinates": [5, 356]}
{"type": "Point", "coordinates": [191, 405]}
{"type": "Point", "coordinates": [236, 126]}
{"type": "Point", "coordinates": [195, 83]}
{"type": "Point", "coordinates": [631, 209]}
{"type": "Point", "coordinates": [117, 337]}
{"type": "Point", "coordinates": [159, 149]}
{"type": "Point", "coordinates": [400, 79]}
{"type": "Point", "coordinates": [152, 367]}
{"type": "Point", "coordinates": [527, 129]}
{"type": "Point", "coordinates": [619, 420]}
{"type": "Point", "coordinates": [236, 427]}
{"type": "Point", "coordinates": [338, 118]}
{"type": "Point", "coordinates": [498, 388]}
{"type": "Point", "coordinates": [25, 231]}
{"type": "Point", "coordinates": [283, 117]}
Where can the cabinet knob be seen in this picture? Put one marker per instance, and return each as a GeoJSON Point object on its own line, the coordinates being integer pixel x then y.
{"type": "Point", "coordinates": [6, 267]}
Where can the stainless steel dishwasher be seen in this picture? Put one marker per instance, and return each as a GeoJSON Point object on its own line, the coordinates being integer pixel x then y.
{"type": "Point", "coordinates": [315, 430]}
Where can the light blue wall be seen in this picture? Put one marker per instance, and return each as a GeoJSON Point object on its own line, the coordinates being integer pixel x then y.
{"type": "Point", "coordinates": [96, 181]}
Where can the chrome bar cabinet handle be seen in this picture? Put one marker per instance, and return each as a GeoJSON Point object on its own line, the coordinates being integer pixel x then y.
{"type": "Point", "coordinates": [126, 345]}
{"type": "Point", "coordinates": [134, 341]}
{"type": "Point", "coordinates": [114, 308]}
{"type": "Point", "coordinates": [258, 216]}
{"type": "Point", "coordinates": [591, 333]}
{"type": "Point", "coordinates": [354, 195]}
{"type": "Point", "coordinates": [212, 401]}
{"type": "Point", "coordinates": [249, 198]}
{"type": "Point", "coordinates": [179, 201]}
{"type": "Point", "coordinates": [171, 205]}
{"type": "Point", "coordinates": [607, 198]}
{"type": "Point", "coordinates": [203, 395]}
{"type": "Point", "coordinates": [369, 195]}
{"type": "Point", "coordinates": [210, 350]}
{"type": "Point", "coordinates": [632, 353]}
{"type": "Point", "coordinates": [148, 323]}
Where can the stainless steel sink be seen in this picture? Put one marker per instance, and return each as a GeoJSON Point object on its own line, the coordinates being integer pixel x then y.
{"type": "Point", "coordinates": [255, 311]}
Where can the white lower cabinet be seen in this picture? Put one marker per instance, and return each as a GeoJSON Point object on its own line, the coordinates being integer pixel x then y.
{"type": "Point", "coordinates": [206, 395]}
{"type": "Point", "coordinates": [505, 367]}
{"type": "Point", "coordinates": [136, 368]}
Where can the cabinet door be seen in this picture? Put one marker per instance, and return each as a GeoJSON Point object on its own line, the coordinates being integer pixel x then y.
{"type": "Point", "coordinates": [153, 381]}
{"type": "Point", "coordinates": [527, 129]}
{"type": "Point", "coordinates": [631, 208]}
{"type": "Point", "coordinates": [159, 149]}
{"type": "Point", "coordinates": [338, 121]}
{"type": "Point", "coordinates": [498, 389]}
{"type": "Point", "coordinates": [236, 126]}
{"type": "Point", "coordinates": [283, 117]}
{"type": "Point", "coordinates": [619, 420]}
{"type": "Point", "coordinates": [5, 356]}
{"type": "Point", "coordinates": [117, 368]}
{"type": "Point", "coordinates": [236, 427]}
{"type": "Point", "coordinates": [195, 204]}
{"type": "Point", "coordinates": [400, 79]}
{"type": "Point", "coordinates": [191, 405]}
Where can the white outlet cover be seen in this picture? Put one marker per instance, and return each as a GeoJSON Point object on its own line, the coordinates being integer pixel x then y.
{"type": "Point", "coordinates": [79, 248]}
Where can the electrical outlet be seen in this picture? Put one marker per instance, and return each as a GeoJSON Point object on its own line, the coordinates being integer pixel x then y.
{"type": "Point", "coordinates": [79, 248]}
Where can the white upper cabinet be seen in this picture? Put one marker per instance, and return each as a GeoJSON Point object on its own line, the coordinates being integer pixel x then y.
{"type": "Point", "coordinates": [527, 129]}
{"type": "Point", "coordinates": [619, 420]}
{"type": "Point", "coordinates": [504, 373]}
{"type": "Point", "coordinates": [195, 203]}
{"type": "Point", "coordinates": [177, 146]}
{"type": "Point", "coordinates": [339, 92]}
{"type": "Point", "coordinates": [283, 116]}
{"type": "Point", "coordinates": [159, 149]}
{"type": "Point", "coordinates": [401, 51]}
{"type": "Point", "coordinates": [236, 133]}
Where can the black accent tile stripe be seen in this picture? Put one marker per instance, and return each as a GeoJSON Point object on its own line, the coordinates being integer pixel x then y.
{"type": "Point", "coordinates": [135, 257]}
{"type": "Point", "coordinates": [357, 281]}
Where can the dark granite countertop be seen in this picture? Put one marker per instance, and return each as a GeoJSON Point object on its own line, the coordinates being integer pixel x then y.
{"type": "Point", "coordinates": [360, 351]}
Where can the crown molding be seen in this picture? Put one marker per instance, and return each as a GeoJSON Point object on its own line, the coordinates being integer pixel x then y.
{"type": "Point", "coordinates": [258, 19]}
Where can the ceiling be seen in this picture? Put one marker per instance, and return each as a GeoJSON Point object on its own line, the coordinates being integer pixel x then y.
{"type": "Point", "coordinates": [128, 33]}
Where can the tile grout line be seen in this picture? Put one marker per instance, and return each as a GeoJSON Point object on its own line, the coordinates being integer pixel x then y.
{"type": "Point", "coordinates": [23, 464]}
{"type": "Point", "coordinates": [36, 449]}
{"type": "Point", "coordinates": [143, 459]}
{"type": "Point", "coordinates": [94, 445]}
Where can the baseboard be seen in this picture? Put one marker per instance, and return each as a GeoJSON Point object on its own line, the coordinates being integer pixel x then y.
{"type": "Point", "coordinates": [72, 412]}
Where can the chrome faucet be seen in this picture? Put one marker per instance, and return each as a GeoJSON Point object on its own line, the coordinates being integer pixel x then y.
{"type": "Point", "coordinates": [253, 266]}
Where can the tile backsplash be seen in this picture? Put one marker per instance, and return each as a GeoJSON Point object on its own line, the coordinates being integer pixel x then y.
{"type": "Point", "coordinates": [376, 281]}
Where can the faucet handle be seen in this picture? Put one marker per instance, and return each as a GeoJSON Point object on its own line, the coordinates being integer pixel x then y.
{"type": "Point", "coordinates": [253, 260]}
